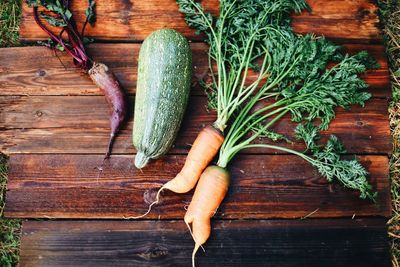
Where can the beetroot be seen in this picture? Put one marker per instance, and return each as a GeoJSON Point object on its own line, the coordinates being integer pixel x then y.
{"type": "Point", "coordinates": [71, 41]}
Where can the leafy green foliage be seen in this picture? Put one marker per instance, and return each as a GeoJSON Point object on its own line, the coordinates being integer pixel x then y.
{"type": "Point", "coordinates": [53, 21]}
{"type": "Point", "coordinates": [274, 136]}
{"type": "Point", "coordinates": [309, 134]}
{"type": "Point", "coordinates": [319, 95]}
{"type": "Point", "coordinates": [237, 38]}
{"type": "Point", "coordinates": [52, 5]}
{"type": "Point", "coordinates": [68, 39]}
{"type": "Point", "coordinates": [91, 12]}
{"type": "Point", "coordinates": [196, 17]}
{"type": "Point", "coordinates": [327, 160]}
{"type": "Point", "coordinates": [390, 19]}
{"type": "Point", "coordinates": [348, 172]}
{"type": "Point", "coordinates": [293, 70]}
{"type": "Point", "coordinates": [9, 229]}
{"type": "Point", "coordinates": [9, 22]}
{"type": "Point", "coordinates": [61, 12]}
{"type": "Point", "coordinates": [51, 44]}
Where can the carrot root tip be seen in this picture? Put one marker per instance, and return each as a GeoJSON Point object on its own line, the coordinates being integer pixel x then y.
{"type": "Point", "coordinates": [155, 202]}
{"type": "Point", "coordinates": [196, 248]}
{"type": "Point", "coordinates": [191, 233]}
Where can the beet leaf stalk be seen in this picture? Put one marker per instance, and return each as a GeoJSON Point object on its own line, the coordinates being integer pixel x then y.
{"type": "Point", "coordinates": [57, 14]}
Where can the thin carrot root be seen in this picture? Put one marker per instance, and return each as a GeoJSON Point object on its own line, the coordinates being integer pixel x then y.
{"type": "Point", "coordinates": [204, 149]}
{"type": "Point", "coordinates": [191, 233]}
{"type": "Point", "coordinates": [196, 248]}
{"type": "Point", "coordinates": [155, 202]}
{"type": "Point", "coordinates": [210, 191]}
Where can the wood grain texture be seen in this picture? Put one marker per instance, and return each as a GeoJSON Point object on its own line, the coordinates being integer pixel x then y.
{"type": "Point", "coordinates": [80, 124]}
{"type": "Point", "coordinates": [132, 20]}
{"type": "Point", "coordinates": [38, 71]}
{"type": "Point", "coordinates": [70, 186]}
{"type": "Point", "coordinates": [276, 243]}
{"type": "Point", "coordinates": [47, 106]}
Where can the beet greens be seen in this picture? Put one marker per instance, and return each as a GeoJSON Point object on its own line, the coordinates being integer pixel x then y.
{"type": "Point", "coordinates": [57, 14]}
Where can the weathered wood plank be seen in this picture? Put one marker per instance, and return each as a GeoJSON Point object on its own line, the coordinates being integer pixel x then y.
{"type": "Point", "coordinates": [37, 71]}
{"type": "Point", "coordinates": [70, 186]}
{"type": "Point", "coordinates": [80, 124]}
{"type": "Point", "coordinates": [341, 19]}
{"type": "Point", "coordinates": [129, 20]}
{"type": "Point", "coordinates": [277, 243]}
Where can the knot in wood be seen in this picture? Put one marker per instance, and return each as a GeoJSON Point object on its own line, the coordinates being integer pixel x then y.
{"type": "Point", "coordinates": [154, 253]}
{"type": "Point", "coordinates": [360, 123]}
{"type": "Point", "coordinates": [149, 196]}
{"type": "Point", "coordinates": [41, 73]}
{"type": "Point", "coordinates": [39, 113]}
{"type": "Point", "coordinates": [362, 14]}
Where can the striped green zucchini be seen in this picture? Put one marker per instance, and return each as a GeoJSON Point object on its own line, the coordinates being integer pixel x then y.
{"type": "Point", "coordinates": [163, 86]}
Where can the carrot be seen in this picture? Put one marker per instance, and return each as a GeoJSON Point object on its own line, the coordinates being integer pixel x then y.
{"type": "Point", "coordinates": [209, 193]}
{"type": "Point", "coordinates": [203, 150]}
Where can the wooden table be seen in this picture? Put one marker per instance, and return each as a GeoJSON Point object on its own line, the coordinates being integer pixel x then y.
{"type": "Point", "coordinates": [54, 125]}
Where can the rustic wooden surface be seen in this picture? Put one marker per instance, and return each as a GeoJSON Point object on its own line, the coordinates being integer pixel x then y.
{"type": "Point", "coordinates": [263, 186]}
{"type": "Point", "coordinates": [54, 125]}
{"type": "Point", "coordinates": [79, 124]}
{"type": "Point", "coordinates": [126, 20]}
{"type": "Point", "coordinates": [37, 71]}
{"type": "Point", "coordinates": [333, 243]}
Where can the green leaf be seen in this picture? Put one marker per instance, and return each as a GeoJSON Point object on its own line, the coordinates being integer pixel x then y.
{"type": "Point", "coordinates": [309, 134]}
{"type": "Point", "coordinates": [57, 22]}
{"type": "Point", "coordinates": [52, 5]}
{"type": "Point", "coordinates": [295, 78]}
{"type": "Point", "coordinates": [271, 135]}
{"type": "Point", "coordinates": [350, 173]}
{"type": "Point", "coordinates": [397, 73]}
{"type": "Point", "coordinates": [91, 12]}
{"type": "Point", "coordinates": [56, 7]}
{"type": "Point", "coordinates": [33, 3]}
{"type": "Point", "coordinates": [87, 40]}
{"type": "Point", "coordinates": [60, 47]}
{"type": "Point", "coordinates": [68, 14]}
{"type": "Point", "coordinates": [51, 44]}
{"type": "Point", "coordinates": [48, 43]}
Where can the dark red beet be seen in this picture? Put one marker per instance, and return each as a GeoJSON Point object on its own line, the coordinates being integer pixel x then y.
{"type": "Point", "coordinates": [100, 74]}
{"type": "Point", "coordinates": [108, 83]}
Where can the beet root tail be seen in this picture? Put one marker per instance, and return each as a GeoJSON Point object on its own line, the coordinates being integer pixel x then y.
{"type": "Point", "coordinates": [110, 145]}
{"type": "Point", "coordinates": [114, 94]}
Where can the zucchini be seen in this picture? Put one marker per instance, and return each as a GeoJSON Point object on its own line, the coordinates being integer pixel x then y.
{"type": "Point", "coordinates": [162, 92]}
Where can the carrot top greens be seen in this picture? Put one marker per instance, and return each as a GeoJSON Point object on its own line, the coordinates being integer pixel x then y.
{"type": "Point", "coordinates": [294, 77]}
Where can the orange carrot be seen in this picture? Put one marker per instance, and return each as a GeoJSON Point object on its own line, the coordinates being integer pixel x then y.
{"type": "Point", "coordinates": [209, 193]}
{"type": "Point", "coordinates": [203, 150]}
